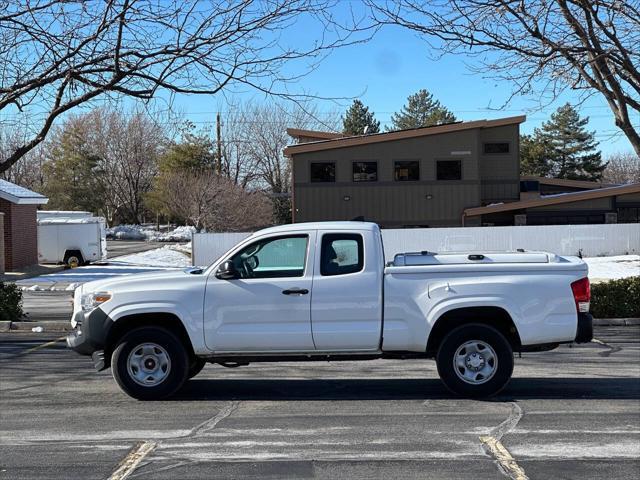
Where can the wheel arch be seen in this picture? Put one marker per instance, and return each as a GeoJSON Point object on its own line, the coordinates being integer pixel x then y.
{"type": "Point", "coordinates": [127, 323]}
{"type": "Point", "coordinates": [493, 316]}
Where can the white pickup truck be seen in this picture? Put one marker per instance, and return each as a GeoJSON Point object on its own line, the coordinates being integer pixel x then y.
{"type": "Point", "coordinates": [322, 291]}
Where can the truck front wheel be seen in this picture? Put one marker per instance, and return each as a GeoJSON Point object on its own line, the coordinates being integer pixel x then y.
{"type": "Point", "coordinates": [150, 363]}
{"type": "Point", "coordinates": [475, 360]}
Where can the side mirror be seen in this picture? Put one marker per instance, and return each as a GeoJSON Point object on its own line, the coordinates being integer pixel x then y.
{"type": "Point", "coordinates": [227, 271]}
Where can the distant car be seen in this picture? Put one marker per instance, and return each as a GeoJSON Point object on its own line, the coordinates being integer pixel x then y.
{"type": "Point", "coordinates": [321, 291]}
{"type": "Point", "coordinates": [72, 238]}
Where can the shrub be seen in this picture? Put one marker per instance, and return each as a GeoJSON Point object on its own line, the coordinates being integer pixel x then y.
{"type": "Point", "coordinates": [10, 302]}
{"type": "Point", "coordinates": [616, 298]}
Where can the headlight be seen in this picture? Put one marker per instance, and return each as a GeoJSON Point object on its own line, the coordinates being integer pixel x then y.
{"type": "Point", "coordinates": [93, 300]}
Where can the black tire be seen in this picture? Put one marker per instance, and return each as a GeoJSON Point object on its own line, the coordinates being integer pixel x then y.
{"type": "Point", "coordinates": [500, 369]}
{"type": "Point", "coordinates": [169, 346]}
{"type": "Point", "coordinates": [73, 258]}
{"type": "Point", "coordinates": [196, 367]}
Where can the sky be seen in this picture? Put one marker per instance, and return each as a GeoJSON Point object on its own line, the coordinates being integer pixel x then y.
{"type": "Point", "coordinates": [383, 72]}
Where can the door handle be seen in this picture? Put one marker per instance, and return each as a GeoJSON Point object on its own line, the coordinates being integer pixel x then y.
{"type": "Point", "coordinates": [295, 291]}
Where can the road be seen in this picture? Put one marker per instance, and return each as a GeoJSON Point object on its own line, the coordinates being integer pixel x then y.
{"type": "Point", "coordinates": [118, 248]}
{"type": "Point", "coordinates": [570, 413]}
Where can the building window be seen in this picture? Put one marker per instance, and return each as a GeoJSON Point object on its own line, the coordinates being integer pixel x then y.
{"type": "Point", "coordinates": [365, 172]}
{"type": "Point", "coordinates": [496, 147]}
{"type": "Point", "coordinates": [323, 172]}
{"type": "Point", "coordinates": [449, 170]}
{"type": "Point", "coordinates": [406, 171]}
{"type": "Point", "coordinates": [342, 253]}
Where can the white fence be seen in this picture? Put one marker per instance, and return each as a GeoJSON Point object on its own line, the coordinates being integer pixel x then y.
{"type": "Point", "coordinates": [592, 240]}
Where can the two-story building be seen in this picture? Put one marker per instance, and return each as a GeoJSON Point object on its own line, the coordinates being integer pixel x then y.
{"type": "Point", "coordinates": [423, 177]}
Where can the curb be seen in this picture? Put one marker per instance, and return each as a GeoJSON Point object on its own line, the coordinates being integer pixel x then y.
{"type": "Point", "coordinates": [47, 326]}
{"type": "Point", "coordinates": [616, 322]}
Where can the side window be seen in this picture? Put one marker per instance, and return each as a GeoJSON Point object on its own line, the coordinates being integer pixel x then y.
{"type": "Point", "coordinates": [342, 253]}
{"type": "Point", "coordinates": [449, 170]}
{"type": "Point", "coordinates": [323, 172]}
{"type": "Point", "coordinates": [273, 258]}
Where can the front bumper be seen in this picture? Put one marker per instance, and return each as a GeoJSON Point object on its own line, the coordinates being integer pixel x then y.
{"type": "Point", "coordinates": [91, 332]}
{"type": "Point", "coordinates": [584, 332]}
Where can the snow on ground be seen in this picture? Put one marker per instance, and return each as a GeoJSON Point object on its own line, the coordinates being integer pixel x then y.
{"type": "Point", "coordinates": [610, 268]}
{"type": "Point", "coordinates": [165, 258]}
{"type": "Point", "coordinates": [140, 232]}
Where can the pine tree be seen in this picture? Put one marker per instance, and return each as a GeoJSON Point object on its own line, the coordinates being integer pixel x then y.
{"type": "Point", "coordinates": [534, 155]}
{"type": "Point", "coordinates": [357, 118]}
{"type": "Point", "coordinates": [570, 148]}
{"type": "Point", "coordinates": [421, 110]}
{"type": "Point", "coordinates": [72, 175]}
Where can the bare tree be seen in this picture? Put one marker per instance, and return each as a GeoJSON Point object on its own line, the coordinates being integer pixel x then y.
{"type": "Point", "coordinates": [255, 136]}
{"type": "Point", "coordinates": [57, 54]}
{"type": "Point", "coordinates": [208, 201]}
{"type": "Point", "coordinates": [588, 45]}
{"type": "Point", "coordinates": [28, 171]}
{"type": "Point", "coordinates": [622, 168]}
{"type": "Point", "coordinates": [128, 145]}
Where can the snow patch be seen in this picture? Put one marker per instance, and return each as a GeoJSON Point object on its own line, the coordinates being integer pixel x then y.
{"type": "Point", "coordinates": [140, 232]}
{"type": "Point", "coordinates": [167, 256]}
{"type": "Point", "coordinates": [613, 268]}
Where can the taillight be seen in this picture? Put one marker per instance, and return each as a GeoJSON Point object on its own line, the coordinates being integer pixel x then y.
{"type": "Point", "coordinates": [581, 294]}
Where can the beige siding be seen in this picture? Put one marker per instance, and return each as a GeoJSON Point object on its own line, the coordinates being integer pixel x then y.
{"type": "Point", "coordinates": [400, 204]}
{"type": "Point", "coordinates": [392, 203]}
{"type": "Point", "coordinates": [425, 149]}
{"type": "Point", "coordinates": [500, 191]}
{"type": "Point", "coordinates": [629, 198]}
{"type": "Point", "coordinates": [500, 166]}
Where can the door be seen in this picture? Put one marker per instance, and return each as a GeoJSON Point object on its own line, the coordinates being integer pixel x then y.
{"type": "Point", "coordinates": [268, 308]}
{"type": "Point", "coordinates": [346, 307]}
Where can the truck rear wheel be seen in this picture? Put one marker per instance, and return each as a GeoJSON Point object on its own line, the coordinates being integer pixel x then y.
{"type": "Point", "coordinates": [150, 363]}
{"type": "Point", "coordinates": [475, 360]}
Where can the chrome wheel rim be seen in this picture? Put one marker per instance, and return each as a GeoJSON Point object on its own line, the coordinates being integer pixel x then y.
{"type": "Point", "coordinates": [148, 364]}
{"type": "Point", "coordinates": [475, 362]}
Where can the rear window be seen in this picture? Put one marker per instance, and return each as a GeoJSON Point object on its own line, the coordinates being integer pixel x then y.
{"type": "Point", "coordinates": [342, 253]}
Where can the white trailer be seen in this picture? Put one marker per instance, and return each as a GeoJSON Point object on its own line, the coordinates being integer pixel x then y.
{"type": "Point", "coordinates": [73, 238]}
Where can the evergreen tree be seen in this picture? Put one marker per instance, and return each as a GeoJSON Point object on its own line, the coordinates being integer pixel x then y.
{"type": "Point", "coordinates": [570, 148]}
{"type": "Point", "coordinates": [421, 110]}
{"type": "Point", "coordinates": [534, 156]}
{"type": "Point", "coordinates": [73, 179]}
{"type": "Point", "coordinates": [194, 152]}
{"type": "Point", "coordinates": [357, 118]}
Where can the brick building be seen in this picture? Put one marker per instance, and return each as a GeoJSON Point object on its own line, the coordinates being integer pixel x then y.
{"type": "Point", "coordinates": [19, 207]}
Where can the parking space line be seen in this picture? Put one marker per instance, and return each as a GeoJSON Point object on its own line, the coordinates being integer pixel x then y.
{"type": "Point", "coordinates": [508, 464]}
{"type": "Point", "coordinates": [132, 460]}
{"type": "Point", "coordinates": [44, 345]}
{"type": "Point", "coordinates": [494, 447]}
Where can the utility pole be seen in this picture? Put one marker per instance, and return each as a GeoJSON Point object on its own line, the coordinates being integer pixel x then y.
{"type": "Point", "coordinates": [219, 143]}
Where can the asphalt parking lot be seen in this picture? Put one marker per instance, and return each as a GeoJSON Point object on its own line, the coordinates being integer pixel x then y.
{"type": "Point", "coordinates": [570, 413]}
